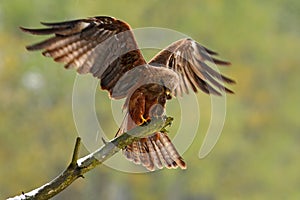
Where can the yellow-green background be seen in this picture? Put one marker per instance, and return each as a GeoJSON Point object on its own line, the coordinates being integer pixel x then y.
{"type": "Point", "coordinates": [257, 156]}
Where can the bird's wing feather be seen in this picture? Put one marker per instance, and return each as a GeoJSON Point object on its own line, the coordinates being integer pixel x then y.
{"type": "Point", "coordinates": [190, 61]}
{"type": "Point", "coordinates": [103, 46]}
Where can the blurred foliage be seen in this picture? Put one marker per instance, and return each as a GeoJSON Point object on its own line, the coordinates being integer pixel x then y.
{"type": "Point", "coordinates": [257, 156]}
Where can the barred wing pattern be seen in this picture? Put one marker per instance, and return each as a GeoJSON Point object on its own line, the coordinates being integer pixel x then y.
{"type": "Point", "coordinates": [103, 46]}
{"type": "Point", "coordinates": [188, 59]}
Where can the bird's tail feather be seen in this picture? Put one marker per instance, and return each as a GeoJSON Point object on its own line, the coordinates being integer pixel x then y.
{"type": "Point", "coordinates": [155, 151]}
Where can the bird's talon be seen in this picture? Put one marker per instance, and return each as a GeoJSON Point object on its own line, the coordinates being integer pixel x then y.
{"type": "Point", "coordinates": [144, 121]}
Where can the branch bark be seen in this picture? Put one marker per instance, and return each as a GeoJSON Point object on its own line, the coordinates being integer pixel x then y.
{"type": "Point", "coordinates": [78, 167]}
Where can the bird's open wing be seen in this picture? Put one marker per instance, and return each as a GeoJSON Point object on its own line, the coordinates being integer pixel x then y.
{"type": "Point", "coordinates": [103, 46]}
{"type": "Point", "coordinates": [190, 61]}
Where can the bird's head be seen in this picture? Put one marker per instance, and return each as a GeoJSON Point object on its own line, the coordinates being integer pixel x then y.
{"type": "Point", "coordinates": [163, 76]}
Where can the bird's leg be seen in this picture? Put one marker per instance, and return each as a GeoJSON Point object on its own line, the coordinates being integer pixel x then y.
{"type": "Point", "coordinates": [143, 119]}
{"type": "Point", "coordinates": [145, 122]}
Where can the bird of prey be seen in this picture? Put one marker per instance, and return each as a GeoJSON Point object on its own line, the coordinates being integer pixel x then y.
{"type": "Point", "coordinates": [106, 48]}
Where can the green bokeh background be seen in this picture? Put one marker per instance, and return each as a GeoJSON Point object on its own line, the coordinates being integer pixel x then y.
{"type": "Point", "coordinates": [257, 156]}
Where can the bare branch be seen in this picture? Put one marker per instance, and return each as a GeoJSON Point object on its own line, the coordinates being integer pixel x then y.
{"type": "Point", "coordinates": [78, 167]}
{"type": "Point", "coordinates": [76, 152]}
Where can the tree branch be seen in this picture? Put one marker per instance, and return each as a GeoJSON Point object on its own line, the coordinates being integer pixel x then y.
{"type": "Point", "coordinates": [78, 167]}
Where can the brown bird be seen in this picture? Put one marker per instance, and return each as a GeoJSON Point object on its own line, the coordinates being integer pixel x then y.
{"type": "Point", "coordinates": [106, 48]}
